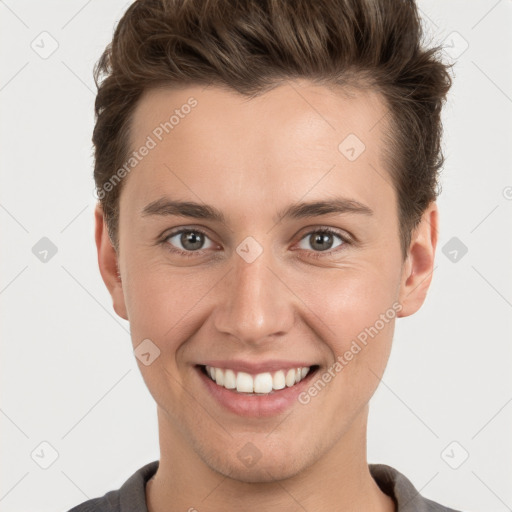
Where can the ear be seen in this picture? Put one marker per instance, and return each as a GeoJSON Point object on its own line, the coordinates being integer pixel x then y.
{"type": "Point", "coordinates": [419, 265]}
{"type": "Point", "coordinates": [108, 263]}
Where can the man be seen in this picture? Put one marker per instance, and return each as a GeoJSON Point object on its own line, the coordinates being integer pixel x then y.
{"type": "Point", "coordinates": [267, 176]}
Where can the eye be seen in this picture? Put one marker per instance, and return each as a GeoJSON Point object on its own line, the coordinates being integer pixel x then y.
{"type": "Point", "coordinates": [322, 241]}
{"type": "Point", "coordinates": [191, 241]}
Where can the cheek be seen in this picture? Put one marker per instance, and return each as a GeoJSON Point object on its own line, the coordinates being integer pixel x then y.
{"type": "Point", "coordinates": [357, 308]}
{"type": "Point", "coordinates": [348, 300]}
{"type": "Point", "coordinates": [163, 304]}
{"type": "Point", "coordinates": [160, 305]}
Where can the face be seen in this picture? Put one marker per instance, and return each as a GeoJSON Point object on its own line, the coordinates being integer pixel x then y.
{"type": "Point", "coordinates": [273, 281]}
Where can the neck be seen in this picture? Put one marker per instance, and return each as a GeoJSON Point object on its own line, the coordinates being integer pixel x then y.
{"type": "Point", "coordinates": [339, 480]}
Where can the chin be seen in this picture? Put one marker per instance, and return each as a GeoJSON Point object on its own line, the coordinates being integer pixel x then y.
{"type": "Point", "coordinates": [248, 465]}
{"type": "Point", "coordinates": [268, 472]}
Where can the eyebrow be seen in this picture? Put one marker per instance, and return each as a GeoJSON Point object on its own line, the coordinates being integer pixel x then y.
{"type": "Point", "coordinates": [339, 205]}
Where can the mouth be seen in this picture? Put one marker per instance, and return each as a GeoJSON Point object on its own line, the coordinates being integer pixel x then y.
{"type": "Point", "coordinates": [243, 392]}
{"type": "Point", "coordinates": [259, 384]}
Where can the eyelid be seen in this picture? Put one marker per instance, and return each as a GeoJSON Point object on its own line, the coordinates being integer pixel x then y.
{"type": "Point", "coordinates": [174, 231]}
{"type": "Point", "coordinates": [344, 235]}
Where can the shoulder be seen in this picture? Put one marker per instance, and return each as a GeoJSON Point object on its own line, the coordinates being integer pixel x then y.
{"type": "Point", "coordinates": [107, 503]}
{"type": "Point", "coordinates": [401, 489]}
{"type": "Point", "coordinates": [130, 497]}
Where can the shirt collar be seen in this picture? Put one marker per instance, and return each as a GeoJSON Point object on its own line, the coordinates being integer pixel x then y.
{"type": "Point", "coordinates": [132, 494]}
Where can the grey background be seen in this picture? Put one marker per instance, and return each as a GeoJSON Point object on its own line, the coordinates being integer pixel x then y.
{"type": "Point", "coordinates": [68, 374]}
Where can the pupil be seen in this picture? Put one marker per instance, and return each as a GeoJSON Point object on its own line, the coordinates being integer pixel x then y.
{"type": "Point", "coordinates": [319, 238]}
{"type": "Point", "coordinates": [191, 238]}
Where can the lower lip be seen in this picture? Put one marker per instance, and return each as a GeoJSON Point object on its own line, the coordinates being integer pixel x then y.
{"type": "Point", "coordinates": [245, 404]}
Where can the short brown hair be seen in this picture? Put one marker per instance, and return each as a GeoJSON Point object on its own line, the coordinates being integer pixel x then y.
{"type": "Point", "coordinates": [252, 46]}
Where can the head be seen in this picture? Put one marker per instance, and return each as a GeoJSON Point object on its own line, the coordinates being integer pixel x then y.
{"type": "Point", "coordinates": [250, 109]}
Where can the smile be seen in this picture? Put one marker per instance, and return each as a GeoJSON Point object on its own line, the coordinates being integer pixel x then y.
{"type": "Point", "coordinates": [261, 383]}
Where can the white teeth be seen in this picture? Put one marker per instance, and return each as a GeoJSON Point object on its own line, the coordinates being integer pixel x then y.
{"type": "Point", "coordinates": [262, 383]}
{"type": "Point", "coordinates": [229, 379]}
{"type": "Point", "coordinates": [244, 383]}
{"type": "Point", "coordinates": [290, 377]}
{"type": "Point", "coordinates": [278, 381]}
{"type": "Point", "coordinates": [219, 377]}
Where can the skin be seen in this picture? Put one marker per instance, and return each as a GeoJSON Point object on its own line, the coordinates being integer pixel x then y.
{"type": "Point", "coordinates": [250, 159]}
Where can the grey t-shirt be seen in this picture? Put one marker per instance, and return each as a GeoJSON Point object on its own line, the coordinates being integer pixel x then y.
{"type": "Point", "coordinates": [131, 496]}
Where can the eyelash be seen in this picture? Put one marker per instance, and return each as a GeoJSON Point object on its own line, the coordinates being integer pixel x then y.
{"type": "Point", "coordinates": [314, 254]}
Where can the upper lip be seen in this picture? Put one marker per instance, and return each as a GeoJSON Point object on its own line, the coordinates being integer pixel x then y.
{"type": "Point", "coordinates": [253, 367]}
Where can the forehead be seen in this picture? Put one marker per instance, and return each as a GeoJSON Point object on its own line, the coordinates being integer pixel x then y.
{"type": "Point", "coordinates": [296, 139]}
{"type": "Point", "coordinates": [286, 116]}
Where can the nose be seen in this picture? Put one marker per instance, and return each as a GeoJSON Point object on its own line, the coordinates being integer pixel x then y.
{"type": "Point", "coordinates": [255, 304]}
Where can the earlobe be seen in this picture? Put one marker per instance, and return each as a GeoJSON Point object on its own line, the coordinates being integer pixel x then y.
{"type": "Point", "coordinates": [108, 263]}
{"type": "Point", "coordinates": [419, 266]}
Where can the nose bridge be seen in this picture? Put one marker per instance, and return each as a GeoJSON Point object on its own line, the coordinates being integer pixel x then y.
{"type": "Point", "coordinates": [255, 305]}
